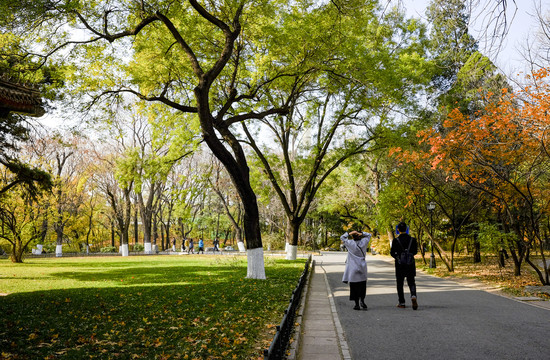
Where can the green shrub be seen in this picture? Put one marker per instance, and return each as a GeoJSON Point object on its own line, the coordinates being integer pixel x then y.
{"type": "Point", "coordinates": [381, 244]}
{"type": "Point", "coordinates": [137, 247]}
{"type": "Point", "coordinates": [108, 249]}
{"type": "Point", "coordinates": [274, 241]}
{"type": "Point", "coordinates": [48, 248]}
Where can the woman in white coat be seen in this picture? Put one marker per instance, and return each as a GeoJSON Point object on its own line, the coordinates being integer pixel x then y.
{"type": "Point", "coordinates": [356, 266]}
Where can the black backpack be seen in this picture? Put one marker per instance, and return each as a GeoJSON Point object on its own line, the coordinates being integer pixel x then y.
{"type": "Point", "coordinates": [406, 257]}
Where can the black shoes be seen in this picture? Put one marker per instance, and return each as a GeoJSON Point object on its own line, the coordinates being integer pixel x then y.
{"type": "Point", "coordinates": [363, 305]}
{"type": "Point", "coordinates": [414, 302]}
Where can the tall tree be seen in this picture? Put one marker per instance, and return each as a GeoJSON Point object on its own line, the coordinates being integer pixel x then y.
{"type": "Point", "coordinates": [364, 73]}
{"type": "Point", "coordinates": [216, 60]}
{"type": "Point", "coordinates": [61, 155]}
{"type": "Point", "coordinates": [18, 221]}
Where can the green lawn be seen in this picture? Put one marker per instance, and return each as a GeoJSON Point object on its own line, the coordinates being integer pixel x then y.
{"type": "Point", "coordinates": [141, 307]}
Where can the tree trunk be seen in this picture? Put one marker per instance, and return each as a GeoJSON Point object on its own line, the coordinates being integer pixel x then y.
{"type": "Point", "coordinates": [154, 232]}
{"type": "Point", "coordinates": [163, 240]}
{"type": "Point", "coordinates": [59, 229]}
{"type": "Point", "coordinates": [477, 250]}
{"type": "Point", "coordinates": [294, 234]}
{"type": "Point", "coordinates": [17, 250]}
{"type": "Point", "coordinates": [112, 234]}
{"type": "Point", "coordinates": [443, 256]}
{"type": "Point", "coordinates": [136, 233]}
{"type": "Point", "coordinates": [146, 219]}
{"type": "Point", "coordinates": [542, 278]}
{"type": "Point", "coordinates": [236, 165]}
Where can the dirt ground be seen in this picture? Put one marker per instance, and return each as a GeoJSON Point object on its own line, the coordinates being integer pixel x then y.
{"type": "Point", "coordinates": [489, 276]}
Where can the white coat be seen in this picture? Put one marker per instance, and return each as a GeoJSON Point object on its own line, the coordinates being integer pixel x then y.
{"type": "Point", "coordinates": [356, 265]}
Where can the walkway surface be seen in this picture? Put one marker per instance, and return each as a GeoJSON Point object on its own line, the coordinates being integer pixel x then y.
{"type": "Point", "coordinates": [454, 320]}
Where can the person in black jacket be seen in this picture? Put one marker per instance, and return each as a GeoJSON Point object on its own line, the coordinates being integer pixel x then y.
{"type": "Point", "coordinates": [402, 271]}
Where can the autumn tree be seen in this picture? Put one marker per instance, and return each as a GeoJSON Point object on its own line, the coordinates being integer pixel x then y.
{"type": "Point", "coordinates": [62, 155]}
{"type": "Point", "coordinates": [502, 152]}
{"type": "Point", "coordinates": [16, 214]}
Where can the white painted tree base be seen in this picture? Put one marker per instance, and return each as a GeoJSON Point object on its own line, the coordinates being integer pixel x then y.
{"type": "Point", "coordinates": [59, 250]}
{"type": "Point", "coordinates": [241, 247]}
{"type": "Point", "coordinates": [148, 249]}
{"type": "Point", "coordinates": [38, 250]}
{"type": "Point", "coordinates": [291, 252]}
{"type": "Point", "coordinates": [124, 250]}
{"type": "Point", "coordinates": [256, 266]}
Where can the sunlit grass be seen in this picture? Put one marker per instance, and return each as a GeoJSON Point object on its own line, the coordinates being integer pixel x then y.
{"type": "Point", "coordinates": [153, 307]}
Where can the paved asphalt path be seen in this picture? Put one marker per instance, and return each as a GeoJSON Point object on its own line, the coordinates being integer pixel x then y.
{"type": "Point", "coordinates": [452, 322]}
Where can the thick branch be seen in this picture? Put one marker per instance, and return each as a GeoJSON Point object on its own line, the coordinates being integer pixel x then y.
{"type": "Point", "coordinates": [255, 115]}
{"type": "Point", "coordinates": [173, 104]}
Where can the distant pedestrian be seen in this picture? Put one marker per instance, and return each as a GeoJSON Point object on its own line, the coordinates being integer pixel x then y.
{"type": "Point", "coordinates": [190, 249]}
{"type": "Point", "coordinates": [355, 272]}
{"type": "Point", "coordinates": [404, 243]}
{"type": "Point", "coordinates": [174, 244]}
{"type": "Point", "coordinates": [201, 246]}
{"type": "Point", "coordinates": [216, 244]}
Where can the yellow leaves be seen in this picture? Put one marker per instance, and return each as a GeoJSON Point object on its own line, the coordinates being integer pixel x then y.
{"type": "Point", "coordinates": [239, 340]}
{"type": "Point", "coordinates": [157, 342]}
{"type": "Point", "coordinates": [33, 336]}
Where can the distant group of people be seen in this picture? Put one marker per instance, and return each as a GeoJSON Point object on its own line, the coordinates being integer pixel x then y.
{"type": "Point", "coordinates": [188, 245]}
{"type": "Point", "coordinates": [403, 249]}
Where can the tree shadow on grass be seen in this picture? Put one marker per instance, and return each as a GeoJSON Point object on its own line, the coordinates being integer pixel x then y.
{"type": "Point", "coordinates": [156, 275]}
{"type": "Point", "coordinates": [203, 311]}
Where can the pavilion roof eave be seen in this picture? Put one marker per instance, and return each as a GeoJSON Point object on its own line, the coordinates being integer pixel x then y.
{"type": "Point", "coordinates": [20, 99]}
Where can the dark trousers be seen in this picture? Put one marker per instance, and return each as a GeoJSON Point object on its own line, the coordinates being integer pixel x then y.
{"type": "Point", "coordinates": [357, 290]}
{"type": "Point", "coordinates": [400, 275]}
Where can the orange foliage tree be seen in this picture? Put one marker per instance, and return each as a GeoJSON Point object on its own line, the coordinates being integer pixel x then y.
{"type": "Point", "coordinates": [503, 152]}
